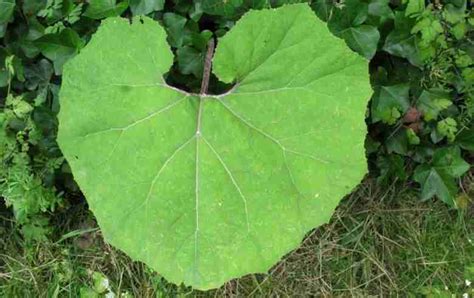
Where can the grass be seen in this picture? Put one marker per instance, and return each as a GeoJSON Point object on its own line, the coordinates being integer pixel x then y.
{"type": "Point", "coordinates": [379, 242]}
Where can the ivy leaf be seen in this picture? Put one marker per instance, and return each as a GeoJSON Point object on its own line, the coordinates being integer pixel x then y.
{"type": "Point", "coordinates": [99, 9]}
{"type": "Point", "coordinates": [389, 103]}
{"type": "Point", "coordinates": [465, 139]}
{"type": "Point", "coordinates": [175, 24]}
{"type": "Point", "coordinates": [347, 23]}
{"type": "Point", "coordinates": [200, 40]}
{"type": "Point", "coordinates": [32, 7]}
{"type": "Point", "coordinates": [323, 8]}
{"type": "Point", "coordinates": [362, 39]}
{"type": "Point", "coordinates": [38, 75]}
{"type": "Point", "coordinates": [400, 42]}
{"type": "Point", "coordinates": [391, 167]}
{"type": "Point", "coordinates": [26, 42]}
{"type": "Point", "coordinates": [353, 13]}
{"type": "Point", "coordinates": [398, 142]}
{"type": "Point", "coordinates": [205, 188]}
{"type": "Point", "coordinates": [221, 7]}
{"type": "Point", "coordinates": [437, 179]}
{"type": "Point", "coordinates": [190, 61]}
{"type": "Point", "coordinates": [6, 10]}
{"type": "Point", "coordinates": [142, 7]}
{"type": "Point", "coordinates": [60, 47]}
{"type": "Point", "coordinates": [233, 8]}
{"type": "Point", "coordinates": [381, 9]}
{"type": "Point", "coordinates": [432, 102]}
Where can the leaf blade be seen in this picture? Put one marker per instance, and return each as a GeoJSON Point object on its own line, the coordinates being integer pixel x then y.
{"type": "Point", "coordinates": [201, 185]}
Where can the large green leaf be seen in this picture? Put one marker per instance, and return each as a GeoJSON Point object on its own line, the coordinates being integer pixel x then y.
{"type": "Point", "coordinates": [206, 188]}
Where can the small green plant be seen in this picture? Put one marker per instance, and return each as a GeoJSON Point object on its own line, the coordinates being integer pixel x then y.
{"type": "Point", "coordinates": [23, 178]}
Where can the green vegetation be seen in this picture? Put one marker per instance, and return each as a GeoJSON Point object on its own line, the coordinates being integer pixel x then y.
{"type": "Point", "coordinates": [420, 146]}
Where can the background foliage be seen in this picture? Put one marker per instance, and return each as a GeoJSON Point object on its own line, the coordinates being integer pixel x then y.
{"type": "Point", "coordinates": [421, 131]}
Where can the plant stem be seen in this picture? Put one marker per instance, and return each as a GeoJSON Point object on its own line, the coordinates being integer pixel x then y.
{"type": "Point", "coordinates": [207, 67]}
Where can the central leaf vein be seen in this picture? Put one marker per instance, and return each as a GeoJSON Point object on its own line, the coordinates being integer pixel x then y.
{"type": "Point", "coordinates": [196, 232]}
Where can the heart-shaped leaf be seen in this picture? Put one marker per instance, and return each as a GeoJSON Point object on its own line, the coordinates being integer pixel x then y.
{"type": "Point", "coordinates": [437, 179]}
{"type": "Point", "coordinates": [206, 188]}
{"type": "Point", "coordinates": [389, 103]}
